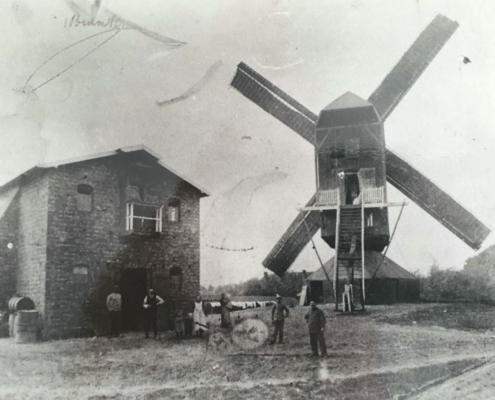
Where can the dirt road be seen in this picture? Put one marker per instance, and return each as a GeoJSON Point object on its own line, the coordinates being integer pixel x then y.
{"type": "Point", "coordinates": [369, 359]}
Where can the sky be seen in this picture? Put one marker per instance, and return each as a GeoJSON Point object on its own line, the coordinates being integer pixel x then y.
{"type": "Point", "coordinates": [62, 96]}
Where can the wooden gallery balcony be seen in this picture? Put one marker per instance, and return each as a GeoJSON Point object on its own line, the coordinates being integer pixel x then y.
{"type": "Point", "coordinates": [367, 196]}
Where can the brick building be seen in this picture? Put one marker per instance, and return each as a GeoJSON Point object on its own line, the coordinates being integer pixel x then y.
{"type": "Point", "coordinates": [70, 231]}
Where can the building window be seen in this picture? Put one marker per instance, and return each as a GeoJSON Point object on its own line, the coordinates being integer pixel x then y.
{"type": "Point", "coordinates": [80, 278]}
{"type": "Point", "coordinates": [143, 218]}
{"type": "Point", "coordinates": [173, 210]}
{"type": "Point", "coordinates": [176, 279]}
{"type": "Point", "coordinates": [352, 148]}
{"type": "Point", "coordinates": [135, 189]}
{"type": "Point", "coordinates": [84, 197]}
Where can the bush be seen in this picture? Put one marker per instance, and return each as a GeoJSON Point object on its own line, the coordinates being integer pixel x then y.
{"type": "Point", "coordinates": [451, 285]}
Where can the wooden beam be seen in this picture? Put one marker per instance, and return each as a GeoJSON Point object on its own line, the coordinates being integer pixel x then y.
{"type": "Point", "coordinates": [371, 205]}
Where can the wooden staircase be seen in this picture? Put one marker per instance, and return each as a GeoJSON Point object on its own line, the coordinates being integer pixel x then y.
{"type": "Point", "coordinates": [349, 253]}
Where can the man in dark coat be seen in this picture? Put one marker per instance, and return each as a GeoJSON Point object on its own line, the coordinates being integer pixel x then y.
{"type": "Point", "coordinates": [279, 313]}
{"type": "Point", "coordinates": [150, 304]}
{"type": "Point", "coordinates": [316, 324]}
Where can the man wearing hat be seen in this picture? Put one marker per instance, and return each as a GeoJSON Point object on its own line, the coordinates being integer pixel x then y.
{"type": "Point", "coordinates": [316, 324]}
{"type": "Point", "coordinates": [279, 313]}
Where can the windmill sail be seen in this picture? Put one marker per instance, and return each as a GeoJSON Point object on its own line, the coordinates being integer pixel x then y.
{"type": "Point", "coordinates": [435, 201]}
{"type": "Point", "coordinates": [275, 101]}
{"type": "Point", "coordinates": [412, 64]}
{"type": "Point", "coordinates": [293, 241]}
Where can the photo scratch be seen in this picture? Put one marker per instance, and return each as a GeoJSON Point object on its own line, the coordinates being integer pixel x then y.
{"type": "Point", "coordinates": [73, 64]}
{"type": "Point", "coordinates": [196, 88]}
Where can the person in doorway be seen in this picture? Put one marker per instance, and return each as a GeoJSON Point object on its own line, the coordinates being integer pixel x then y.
{"type": "Point", "coordinates": [114, 306]}
{"type": "Point", "coordinates": [199, 317]}
{"type": "Point", "coordinates": [315, 319]}
{"type": "Point", "coordinates": [150, 304]}
{"type": "Point", "coordinates": [279, 313]}
{"type": "Point", "coordinates": [226, 306]}
{"type": "Point", "coordinates": [179, 324]}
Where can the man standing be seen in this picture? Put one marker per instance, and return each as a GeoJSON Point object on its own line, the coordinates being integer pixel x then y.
{"type": "Point", "coordinates": [316, 324]}
{"type": "Point", "coordinates": [279, 313]}
{"type": "Point", "coordinates": [114, 305]}
{"type": "Point", "coordinates": [150, 304]}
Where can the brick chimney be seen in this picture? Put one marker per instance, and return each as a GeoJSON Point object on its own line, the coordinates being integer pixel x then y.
{"type": "Point", "coordinates": [305, 275]}
{"type": "Point", "coordinates": [265, 275]}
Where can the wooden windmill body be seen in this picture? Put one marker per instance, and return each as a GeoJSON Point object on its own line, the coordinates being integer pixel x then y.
{"type": "Point", "coordinates": [353, 165]}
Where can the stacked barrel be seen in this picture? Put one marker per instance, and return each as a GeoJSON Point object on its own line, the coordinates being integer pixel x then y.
{"type": "Point", "coordinates": [23, 320]}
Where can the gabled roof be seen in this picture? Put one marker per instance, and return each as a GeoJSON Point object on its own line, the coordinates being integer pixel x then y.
{"type": "Point", "coordinates": [388, 269]}
{"type": "Point", "coordinates": [348, 100]}
{"type": "Point", "coordinates": [126, 150]}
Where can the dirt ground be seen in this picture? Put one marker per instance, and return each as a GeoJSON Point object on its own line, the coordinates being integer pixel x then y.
{"type": "Point", "coordinates": [389, 352]}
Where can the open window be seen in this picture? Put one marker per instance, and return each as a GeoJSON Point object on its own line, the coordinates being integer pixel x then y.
{"type": "Point", "coordinates": [135, 190]}
{"type": "Point", "coordinates": [84, 197]}
{"type": "Point", "coordinates": [173, 210]}
{"type": "Point", "coordinates": [143, 218]}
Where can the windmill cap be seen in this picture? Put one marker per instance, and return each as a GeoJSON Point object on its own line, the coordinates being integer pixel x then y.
{"type": "Point", "coordinates": [349, 109]}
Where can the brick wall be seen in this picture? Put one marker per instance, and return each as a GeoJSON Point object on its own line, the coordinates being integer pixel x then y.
{"type": "Point", "coordinates": [32, 238]}
{"type": "Point", "coordinates": [81, 241]}
{"type": "Point", "coordinates": [8, 257]}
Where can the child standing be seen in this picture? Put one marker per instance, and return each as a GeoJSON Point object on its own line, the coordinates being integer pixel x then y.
{"type": "Point", "coordinates": [179, 324]}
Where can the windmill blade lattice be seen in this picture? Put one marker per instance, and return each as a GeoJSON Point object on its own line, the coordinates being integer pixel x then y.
{"type": "Point", "coordinates": [435, 201]}
{"type": "Point", "coordinates": [412, 64]}
{"type": "Point", "coordinates": [275, 101]}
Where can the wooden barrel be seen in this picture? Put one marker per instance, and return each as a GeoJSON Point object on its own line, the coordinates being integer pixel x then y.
{"type": "Point", "coordinates": [11, 324]}
{"type": "Point", "coordinates": [25, 326]}
{"type": "Point", "coordinates": [18, 303]}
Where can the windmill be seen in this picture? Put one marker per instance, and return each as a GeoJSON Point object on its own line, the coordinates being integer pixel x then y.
{"type": "Point", "coordinates": [353, 165]}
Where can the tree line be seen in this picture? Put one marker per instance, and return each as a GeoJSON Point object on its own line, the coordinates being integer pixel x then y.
{"type": "Point", "coordinates": [270, 285]}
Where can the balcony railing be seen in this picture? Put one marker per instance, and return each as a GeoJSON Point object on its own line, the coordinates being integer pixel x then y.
{"type": "Point", "coordinates": [373, 195]}
{"type": "Point", "coordinates": [328, 197]}
{"type": "Point", "coordinates": [368, 196]}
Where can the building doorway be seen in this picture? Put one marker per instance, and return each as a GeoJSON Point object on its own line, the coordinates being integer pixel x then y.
{"type": "Point", "coordinates": [316, 292]}
{"type": "Point", "coordinates": [351, 187]}
{"type": "Point", "coordinates": [133, 290]}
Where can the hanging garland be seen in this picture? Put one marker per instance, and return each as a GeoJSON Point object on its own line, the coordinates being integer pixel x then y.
{"type": "Point", "coordinates": [227, 249]}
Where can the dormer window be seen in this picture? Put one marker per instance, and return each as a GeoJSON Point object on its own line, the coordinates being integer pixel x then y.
{"type": "Point", "coordinates": [84, 197]}
{"type": "Point", "coordinates": [143, 218]}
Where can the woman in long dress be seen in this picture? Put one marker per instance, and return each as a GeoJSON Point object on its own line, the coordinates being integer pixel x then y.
{"type": "Point", "coordinates": [199, 317]}
{"type": "Point", "coordinates": [226, 305]}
